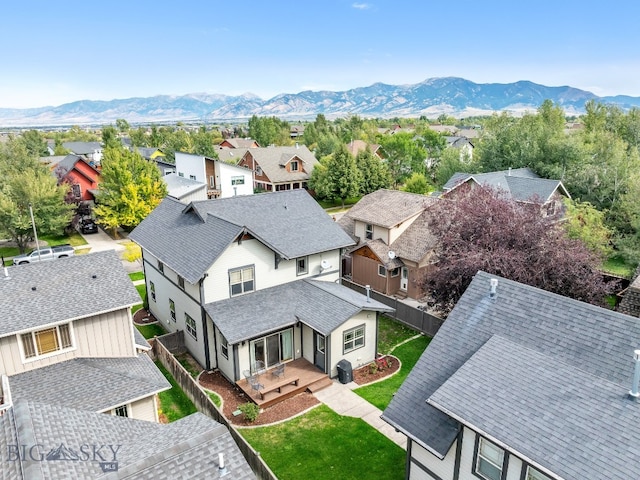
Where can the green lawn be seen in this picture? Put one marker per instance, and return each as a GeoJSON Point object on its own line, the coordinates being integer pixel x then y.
{"type": "Point", "coordinates": [391, 333]}
{"type": "Point", "coordinates": [136, 276]}
{"type": "Point", "coordinates": [141, 290]}
{"type": "Point", "coordinates": [618, 266]}
{"type": "Point", "coordinates": [75, 239]}
{"type": "Point", "coordinates": [151, 330]}
{"type": "Point", "coordinates": [348, 201]}
{"type": "Point", "coordinates": [189, 364]}
{"type": "Point", "coordinates": [174, 403]}
{"type": "Point", "coordinates": [135, 308]}
{"type": "Point", "coordinates": [381, 393]}
{"type": "Point", "coordinates": [215, 398]}
{"type": "Point", "coordinates": [324, 445]}
{"type": "Point", "coordinates": [9, 252]}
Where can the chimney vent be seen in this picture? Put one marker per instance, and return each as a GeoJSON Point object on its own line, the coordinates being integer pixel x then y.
{"type": "Point", "coordinates": [368, 288]}
{"type": "Point", "coordinates": [633, 393]}
{"type": "Point", "coordinates": [33, 289]}
{"type": "Point", "coordinates": [493, 289]}
{"type": "Point", "coordinates": [6, 273]}
{"type": "Point", "coordinates": [222, 469]}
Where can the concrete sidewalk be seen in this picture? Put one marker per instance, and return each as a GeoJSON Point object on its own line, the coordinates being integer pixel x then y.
{"type": "Point", "coordinates": [341, 399]}
{"type": "Point", "coordinates": [100, 241]}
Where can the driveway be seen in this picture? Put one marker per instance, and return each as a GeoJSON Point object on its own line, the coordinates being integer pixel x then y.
{"type": "Point", "coordinates": [100, 241]}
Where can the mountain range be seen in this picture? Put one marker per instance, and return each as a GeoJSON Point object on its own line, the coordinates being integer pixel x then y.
{"type": "Point", "coordinates": [449, 95]}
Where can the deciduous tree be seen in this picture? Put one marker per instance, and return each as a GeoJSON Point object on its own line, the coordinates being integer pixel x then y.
{"type": "Point", "coordinates": [374, 173]}
{"type": "Point", "coordinates": [336, 176]}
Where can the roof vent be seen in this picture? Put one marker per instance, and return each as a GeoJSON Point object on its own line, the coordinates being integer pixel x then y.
{"type": "Point", "coordinates": [6, 273]}
{"type": "Point", "coordinates": [368, 288]}
{"type": "Point", "coordinates": [493, 289]}
{"type": "Point", "coordinates": [633, 393]}
{"type": "Point", "coordinates": [33, 289]}
{"type": "Point", "coordinates": [222, 468]}
{"type": "Point", "coordinates": [94, 276]}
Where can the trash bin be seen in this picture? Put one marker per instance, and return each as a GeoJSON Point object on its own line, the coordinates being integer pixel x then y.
{"type": "Point", "coordinates": [345, 372]}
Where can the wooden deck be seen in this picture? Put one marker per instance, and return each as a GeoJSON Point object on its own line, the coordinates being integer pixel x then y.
{"type": "Point", "coordinates": [277, 389]}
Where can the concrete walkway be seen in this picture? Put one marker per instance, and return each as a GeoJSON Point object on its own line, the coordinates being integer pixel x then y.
{"type": "Point", "coordinates": [341, 399]}
{"type": "Point", "coordinates": [100, 241]}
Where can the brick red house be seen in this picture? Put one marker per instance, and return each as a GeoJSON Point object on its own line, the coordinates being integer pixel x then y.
{"type": "Point", "coordinates": [82, 177]}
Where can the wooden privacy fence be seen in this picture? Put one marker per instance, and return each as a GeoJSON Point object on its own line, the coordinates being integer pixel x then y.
{"type": "Point", "coordinates": [414, 317]}
{"type": "Point", "coordinates": [163, 347]}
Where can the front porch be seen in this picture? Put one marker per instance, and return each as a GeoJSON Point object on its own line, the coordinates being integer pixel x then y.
{"type": "Point", "coordinates": [299, 375]}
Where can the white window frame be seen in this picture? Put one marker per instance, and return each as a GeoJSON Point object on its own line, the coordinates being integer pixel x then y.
{"type": "Point", "coordinates": [21, 337]}
{"type": "Point", "coordinates": [368, 231]}
{"type": "Point", "coordinates": [152, 289]}
{"type": "Point", "coordinates": [192, 177]}
{"type": "Point", "coordinates": [243, 284]}
{"type": "Point", "coordinates": [181, 282]}
{"type": "Point", "coordinates": [259, 170]}
{"type": "Point", "coordinates": [304, 268]}
{"type": "Point", "coordinates": [482, 456]}
{"type": "Point", "coordinates": [237, 180]}
{"type": "Point", "coordinates": [190, 326]}
{"type": "Point", "coordinates": [535, 474]}
{"type": "Point", "coordinates": [224, 347]}
{"type": "Point", "coordinates": [382, 270]}
{"type": "Point", "coordinates": [172, 310]}
{"type": "Point", "coordinates": [160, 267]}
{"type": "Point", "coordinates": [76, 188]}
{"type": "Point", "coordinates": [294, 165]}
{"type": "Point", "coordinates": [354, 338]}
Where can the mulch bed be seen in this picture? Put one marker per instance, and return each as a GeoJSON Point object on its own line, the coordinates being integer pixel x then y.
{"type": "Point", "coordinates": [143, 317]}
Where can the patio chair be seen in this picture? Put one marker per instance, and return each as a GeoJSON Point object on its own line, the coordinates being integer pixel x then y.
{"type": "Point", "coordinates": [258, 367]}
{"type": "Point", "coordinates": [255, 384]}
{"type": "Point", "coordinates": [278, 370]}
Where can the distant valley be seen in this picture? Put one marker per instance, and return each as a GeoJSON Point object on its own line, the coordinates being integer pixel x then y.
{"type": "Point", "coordinates": [450, 95]}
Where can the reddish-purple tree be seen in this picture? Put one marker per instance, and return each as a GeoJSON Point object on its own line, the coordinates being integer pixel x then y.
{"type": "Point", "coordinates": [482, 229]}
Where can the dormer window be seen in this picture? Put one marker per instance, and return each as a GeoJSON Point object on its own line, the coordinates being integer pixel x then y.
{"type": "Point", "coordinates": [294, 165]}
{"type": "Point", "coordinates": [368, 231]}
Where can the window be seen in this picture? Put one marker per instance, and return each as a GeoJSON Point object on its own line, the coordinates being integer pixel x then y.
{"type": "Point", "coordinates": [121, 411]}
{"type": "Point", "coordinates": [160, 266]}
{"type": "Point", "coordinates": [301, 265]}
{"type": "Point", "coordinates": [353, 339]}
{"type": "Point", "coordinates": [237, 180]}
{"type": "Point", "coordinates": [172, 310]}
{"type": "Point", "coordinates": [294, 165]}
{"type": "Point", "coordinates": [77, 192]}
{"type": "Point", "coordinates": [533, 474]}
{"type": "Point", "coordinates": [395, 272]}
{"type": "Point", "coordinates": [181, 282]}
{"type": "Point", "coordinates": [190, 324]}
{"type": "Point", "coordinates": [50, 340]}
{"type": "Point", "coordinates": [489, 460]}
{"type": "Point", "coordinates": [224, 347]}
{"type": "Point", "coordinates": [551, 208]}
{"type": "Point", "coordinates": [152, 288]}
{"type": "Point", "coordinates": [258, 170]}
{"type": "Point", "coordinates": [241, 280]}
{"type": "Point", "coordinates": [382, 271]}
{"type": "Point", "coordinates": [192, 177]}
{"type": "Point", "coordinates": [368, 231]}
{"type": "Point", "coordinates": [212, 181]}
{"type": "Point", "coordinates": [181, 174]}
{"type": "Point", "coordinates": [272, 349]}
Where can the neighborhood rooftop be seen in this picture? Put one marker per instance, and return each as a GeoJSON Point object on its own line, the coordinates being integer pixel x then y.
{"type": "Point", "coordinates": [289, 222]}
{"type": "Point", "coordinates": [554, 355]}
{"type": "Point", "coordinates": [273, 159]}
{"type": "Point", "coordinates": [323, 306]}
{"type": "Point", "coordinates": [80, 286]}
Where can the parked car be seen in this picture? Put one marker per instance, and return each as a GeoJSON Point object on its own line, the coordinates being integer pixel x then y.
{"type": "Point", "coordinates": [44, 253]}
{"type": "Point", "coordinates": [87, 225]}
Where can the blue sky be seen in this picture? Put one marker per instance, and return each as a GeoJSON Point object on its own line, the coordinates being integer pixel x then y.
{"type": "Point", "coordinates": [60, 51]}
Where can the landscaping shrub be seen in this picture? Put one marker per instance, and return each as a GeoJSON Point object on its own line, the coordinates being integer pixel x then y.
{"type": "Point", "coordinates": [250, 411]}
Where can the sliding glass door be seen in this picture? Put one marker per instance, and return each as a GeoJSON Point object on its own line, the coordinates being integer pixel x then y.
{"type": "Point", "coordinates": [272, 349]}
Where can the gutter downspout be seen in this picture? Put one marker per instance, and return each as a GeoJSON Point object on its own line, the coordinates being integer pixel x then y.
{"type": "Point", "coordinates": [205, 334]}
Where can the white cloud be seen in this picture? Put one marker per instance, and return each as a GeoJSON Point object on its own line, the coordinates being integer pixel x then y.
{"type": "Point", "coordinates": [361, 6]}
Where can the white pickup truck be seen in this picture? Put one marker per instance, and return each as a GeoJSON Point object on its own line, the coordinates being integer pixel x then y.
{"type": "Point", "coordinates": [44, 253]}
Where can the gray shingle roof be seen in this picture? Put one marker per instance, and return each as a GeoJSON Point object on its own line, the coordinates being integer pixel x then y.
{"type": "Point", "coordinates": [201, 243]}
{"type": "Point", "coordinates": [272, 159]}
{"type": "Point", "coordinates": [522, 184]}
{"type": "Point", "coordinates": [381, 250]}
{"type": "Point", "coordinates": [140, 341]}
{"type": "Point", "coordinates": [82, 148]}
{"type": "Point", "coordinates": [184, 449]}
{"type": "Point", "coordinates": [94, 384]}
{"type": "Point", "coordinates": [386, 208]}
{"type": "Point", "coordinates": [290, 222]}
{"type": "Point", "coordinates": [546, 410]}
{"type": "Point", "coordinates": [64, 289]}
{"type": "Point", "coordinates": [597, 341]}
{"type": "Point", "coordinates": [322, 305]}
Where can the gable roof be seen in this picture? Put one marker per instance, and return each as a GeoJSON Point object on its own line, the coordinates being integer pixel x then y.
{"type": "Point", "coordinates": [291, 223]}
{"type": "Point", "coordinates": [273, 159]}
{"type": "Point", "coordinates": [381, 250]}
{"type": "Point", "coordinates": [94, 384]}
{"type": "Point", "coordinates": [591, 342]}
{"type": "Point", "coordinates": [240, 142]}
{"type": "Point", "coordinates": [82, 148]}
{"type": "Point", "coordinates": [324, 306]}
{"type": "Point", "coordinates": [186, 448]}
{"type": "Point", "coordinates": [385, 208]}
{"type": "Point", "coordinates": [416, 241]}
{"type": "Point", "coordinates": [45, 293]}
{"type": "Point", "coordinates": [69, 162]}
{"type": "Point", "coordinates": [521, 184]}
{"type": "Point", "coordinates": [228, 155]}
{"type": "Point", "coordinates": [354, 147]}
